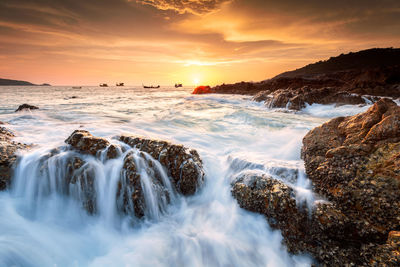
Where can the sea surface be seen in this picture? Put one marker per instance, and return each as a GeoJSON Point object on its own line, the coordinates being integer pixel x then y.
{"type": "Point", "coordinates": [232, 135]}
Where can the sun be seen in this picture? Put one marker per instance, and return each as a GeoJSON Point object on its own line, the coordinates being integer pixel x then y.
{"type": "Point", "coordinates": [196, 81]}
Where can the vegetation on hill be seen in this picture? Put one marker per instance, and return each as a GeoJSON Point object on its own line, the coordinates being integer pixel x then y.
{"type": "Point", "coordinates": [365, 59]}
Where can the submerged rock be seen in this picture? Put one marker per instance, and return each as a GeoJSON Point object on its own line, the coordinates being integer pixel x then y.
{"type": "Point", "coordinates": [25, 107]}
{"type": "Point", "coordinates": [8, 156]}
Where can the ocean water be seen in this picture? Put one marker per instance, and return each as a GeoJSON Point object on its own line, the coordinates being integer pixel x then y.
{"type": "Point", "coordinates": [232, 135]}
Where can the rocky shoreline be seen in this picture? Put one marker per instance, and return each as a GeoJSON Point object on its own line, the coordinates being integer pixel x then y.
{"type": "Point", "coordinates": [341, 88]}
{"type": "Point", "coordinates": [355, 78]}
{"type": "Point", "coordinates": [353, 163]}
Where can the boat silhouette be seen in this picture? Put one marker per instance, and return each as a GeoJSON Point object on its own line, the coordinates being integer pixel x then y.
{"type": "Point", "coordinates": [151, 86]}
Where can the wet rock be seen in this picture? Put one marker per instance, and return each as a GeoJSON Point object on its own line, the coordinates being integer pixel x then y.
{"type": "Point", "coordinates": [355, 163]}
{"type": "Point", "coordinates": [86, 143]}
{"type": "Point", "coordinates": [8, 156]}
{"type": "Point", "coordinates": [25, 107]}
{"type": "Point", "coordinates": [131, 192]}
{"type": "Point", "coordinates": [320, 232]}
{"type": "Point", "coordinates": [183, 165]}
{"type": "Point", "coordinates": [159, 166]}
{"type": "Point", "coordinates": [297, 98]}
{"type": "Point", "coordinates": [271, 197]}
{"type": "Point", "coordinates": [262, 96]}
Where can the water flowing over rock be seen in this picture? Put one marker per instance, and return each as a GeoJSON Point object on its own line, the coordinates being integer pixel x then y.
{"type": "Point", "coordinates": [320, 231]}
{"type": "Point", "coordinates": [355, 163]}
{"type": "Point", "coordinates": [8, 156]}
{"type": "Point", "coordinates": [297, 99]}
{"type": "Point", "coordinates": [144, 175]}
{"type": "Point", "coordinates": [184, 166]}
{"type": "Point", "coordinates": [25, 107]}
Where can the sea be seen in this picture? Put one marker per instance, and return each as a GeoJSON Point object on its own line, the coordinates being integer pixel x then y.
{"type": "Point", "coordinates": [232, 135]}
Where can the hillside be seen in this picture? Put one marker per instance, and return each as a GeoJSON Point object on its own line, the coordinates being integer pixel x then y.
{"type": "Point", "coordinates": [374, 71]}
{"type": "Point", "coordinates": [365, 59]}
{"type": "Point", "coordinates": [7, 82]}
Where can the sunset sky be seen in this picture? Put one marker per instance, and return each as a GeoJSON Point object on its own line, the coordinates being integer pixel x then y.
{"type": "Point", "coordinates": [88, 42]}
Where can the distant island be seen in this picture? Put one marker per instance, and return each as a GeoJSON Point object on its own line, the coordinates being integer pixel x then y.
{"type": "Point", "coordinates": [20, 83]}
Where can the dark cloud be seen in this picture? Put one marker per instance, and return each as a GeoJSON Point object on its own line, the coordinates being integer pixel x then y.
{"type": "Point", "coordinates": [330, 18]}
{"type": "Point", "coordinates": [181, 6]}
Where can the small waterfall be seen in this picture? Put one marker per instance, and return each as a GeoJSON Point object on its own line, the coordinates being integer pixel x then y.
{"type": "Point", "coordinates": [100, 186]}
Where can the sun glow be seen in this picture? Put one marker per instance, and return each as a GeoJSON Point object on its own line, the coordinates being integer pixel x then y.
{"type": "Point", "coordinates": [196, 81]}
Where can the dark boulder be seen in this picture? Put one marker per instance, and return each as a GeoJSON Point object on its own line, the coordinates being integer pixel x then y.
{"type": "Point", "coordinates": [25, 107]}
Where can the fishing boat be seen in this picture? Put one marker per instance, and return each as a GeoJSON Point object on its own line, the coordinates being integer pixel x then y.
{"type": "Point", "coordinates": [151, 86]}
{"type": "Point", "coordinates": [178, 85]}
{"type": "Point", "coordinates": [103, 85]}
{"type": "Point", "coordinates": [119, 84]}
{"type": "Point", "coordinates": [76, 87]}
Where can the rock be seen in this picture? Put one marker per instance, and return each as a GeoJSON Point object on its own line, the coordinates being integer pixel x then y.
{"type": "Point", "coordinates": [168, 168]}
{"type": "Point", "coordinates": [273, 198]}
{"type": "Point", "coordinates": [25, 107]}
{"type": "Point", "coordinates": [355, 163]}
{"type": "Point", "coordinates": [262, 96]}
{"type": "Point", "coordinates": [8, 156]}
{"type": "Point", "coordinates": [85, 142]}
{"type": "Point", "coordinates": [320, 232]}
{"type": "Point", "coordinates": [199, 90]}
{"type": "Point", "coordinates": [297, 99]}
{"type": "Point", "coordinates": [183, 165]}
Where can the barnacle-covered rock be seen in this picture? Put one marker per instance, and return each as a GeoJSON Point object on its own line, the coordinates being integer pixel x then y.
{"type": "Point", "coordinates": [355, 163]}
{"type": "Point", "coordinates": [8, 156]}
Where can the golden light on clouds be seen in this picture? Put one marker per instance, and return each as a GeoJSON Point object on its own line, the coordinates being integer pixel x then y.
{"type": "Point", "coordinates": [165, 41]}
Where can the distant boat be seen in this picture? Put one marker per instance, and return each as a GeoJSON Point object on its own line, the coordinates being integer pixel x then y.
{"type": "Point", "coordinates": [151, 86]}
{"type": "Point", "coordinates": [119, 84]}
{"type": "Point", "coordinates": [178, 85]}
{"type": "Point", "coordinates": [76, 87]}
{"type": "Point", "coordinates": [103, 85]}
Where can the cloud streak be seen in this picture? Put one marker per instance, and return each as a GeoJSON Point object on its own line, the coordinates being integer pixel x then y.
{"type": "Point", "coordinates": [197, 7]}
